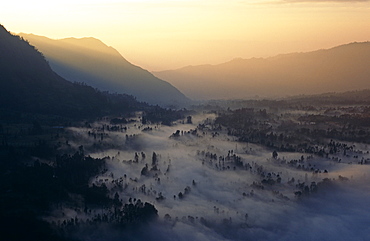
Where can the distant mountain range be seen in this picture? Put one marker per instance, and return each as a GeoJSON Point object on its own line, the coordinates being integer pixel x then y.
{"type": "Point", "coordinates": [29, 85]}
{"type": "Point", "coordinates": [90, 61]}
{"type": "Point", "coordinates": [342, 68]}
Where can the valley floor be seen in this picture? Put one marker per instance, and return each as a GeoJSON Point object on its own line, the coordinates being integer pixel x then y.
{"type": "Point", "coordinates": [206, 185]}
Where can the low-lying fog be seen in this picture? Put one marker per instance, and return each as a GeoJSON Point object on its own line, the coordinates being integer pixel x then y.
{"type": "Point", "coordinates": [207, 186]}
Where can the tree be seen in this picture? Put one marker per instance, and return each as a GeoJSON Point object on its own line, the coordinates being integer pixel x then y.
{"type": "Point", "coordinates": [180, 195]}
{"type": "Point", "coordinates": [154, 159]}
{"type": "Point", "coordinates": [81, 150]}
{"type": "Point", "coordinates": [189, 120]}
{"type": "Point", "coordinates": [145, 170]}
{"type": "Point", "coordinates": [274, 154]}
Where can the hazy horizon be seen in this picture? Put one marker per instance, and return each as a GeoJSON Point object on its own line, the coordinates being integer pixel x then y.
{"type": "Point", "coordinates": [236, 58]}
{"type": "Point", "coordinates": [83, 158]}
{"type": "Point", "coordinates": [328, 70]}
{"type": "Point", "coordinates": [160, 35]}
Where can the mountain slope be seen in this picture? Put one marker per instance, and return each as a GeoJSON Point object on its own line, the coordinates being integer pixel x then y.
{"type": "Point", "coordinates": [90, 61]}
{"type": "Point", "coordinates": [343, 68]}
{"type": "Point", "coordinates": [28, 84]}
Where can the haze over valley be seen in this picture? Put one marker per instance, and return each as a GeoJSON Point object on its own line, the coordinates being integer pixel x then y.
{"type": "Point", "coordinates": [126, 120]}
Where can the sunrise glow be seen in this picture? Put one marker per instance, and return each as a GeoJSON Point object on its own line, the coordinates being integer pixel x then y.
{"type": "Point", "coordinates": [165, 34]}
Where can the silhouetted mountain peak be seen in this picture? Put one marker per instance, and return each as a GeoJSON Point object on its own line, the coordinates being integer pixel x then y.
{"type": "Point", "coordinates": [16, 53]}
{"type": "Point", "coordinates": [91, 41]}
{"type": "Point", "coordinates": [91, 61]}
{"type": "Point", "coordinates": [91, 44]}
{"type": "Point", "coordinates": [28, 84]}
{"type": "Point", "coordinates": [2, 29]}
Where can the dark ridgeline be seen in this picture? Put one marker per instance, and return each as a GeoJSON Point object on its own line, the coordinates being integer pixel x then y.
{"type": "Point", "coordinates": [28, 84]}
{"type": "Point", "coordinates": [30, 92]}
{"type": "Point", "coordinates": [90, 61]}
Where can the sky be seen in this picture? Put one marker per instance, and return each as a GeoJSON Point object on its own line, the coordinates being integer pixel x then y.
{"type": "Point", "coordinates": [163, 34]}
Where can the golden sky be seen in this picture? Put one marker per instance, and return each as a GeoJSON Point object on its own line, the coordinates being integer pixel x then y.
{"type": "Point", "coordinates": [164, 34]}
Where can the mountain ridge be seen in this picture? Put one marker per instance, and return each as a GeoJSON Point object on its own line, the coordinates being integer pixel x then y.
{"type": "Point", "coordinates": [91, 61]}
{"type": "Point", "coordinates": [278, 56]}
{"type": "Point", "coordinates": [29, 85]}
{"type": "Point", "coordinates": [340, 68]}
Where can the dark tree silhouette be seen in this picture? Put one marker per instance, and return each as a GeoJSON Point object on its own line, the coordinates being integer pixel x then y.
{"type": "Point", "coordinates": [274, 154]}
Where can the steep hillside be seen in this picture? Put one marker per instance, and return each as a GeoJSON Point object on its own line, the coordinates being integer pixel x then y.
{"type": "Point", "coordinates": [90, 61]}
{"type": "Point", "coordinates": [28, 84]}
{"type": "Point", "coordinates": [342, 68]}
